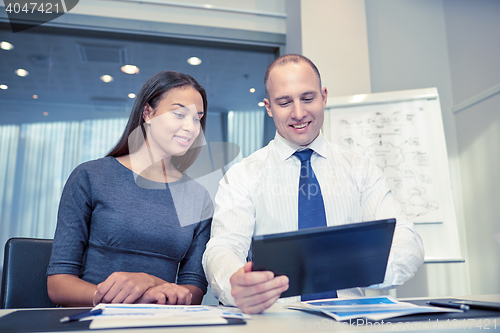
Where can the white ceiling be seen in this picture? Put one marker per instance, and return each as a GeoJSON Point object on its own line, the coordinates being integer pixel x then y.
{"type": "Point", "coordinates": [69, 88]}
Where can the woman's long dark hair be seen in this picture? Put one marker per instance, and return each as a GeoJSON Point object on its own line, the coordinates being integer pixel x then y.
{"type": "Point", "coordinates": [151, 93]}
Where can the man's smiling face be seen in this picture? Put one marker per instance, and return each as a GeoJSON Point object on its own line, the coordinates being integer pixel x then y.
{"type": "Point", "coordinates": [296, 102]}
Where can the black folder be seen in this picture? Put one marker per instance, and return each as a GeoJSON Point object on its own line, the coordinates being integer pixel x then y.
{"type": "Point", "coordinates": [457, 320]}
{"type": "Point", "coordinates": [326, 258]}
{"type": "Point", "coordinates": [47, 320]}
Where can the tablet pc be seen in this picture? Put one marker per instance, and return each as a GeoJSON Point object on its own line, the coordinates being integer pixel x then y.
{"type": "Point", "coordinates": [326, 258]}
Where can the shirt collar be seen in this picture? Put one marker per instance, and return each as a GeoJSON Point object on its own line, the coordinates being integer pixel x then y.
{"type": "Point", "coordinates": [285, 148]}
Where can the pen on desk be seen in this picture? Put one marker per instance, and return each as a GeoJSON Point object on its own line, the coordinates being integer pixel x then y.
{"type": "Point", "coordinates": [79, 316]}
{"type": "Point", "coordinates": [450, 305]}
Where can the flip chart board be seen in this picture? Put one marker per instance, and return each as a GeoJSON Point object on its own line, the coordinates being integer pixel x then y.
{"type": "Point", "coordinates": [402, 132]}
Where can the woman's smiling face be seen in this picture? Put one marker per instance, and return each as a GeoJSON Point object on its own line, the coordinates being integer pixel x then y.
{"type": "Point", "coordinates": [175, 122]}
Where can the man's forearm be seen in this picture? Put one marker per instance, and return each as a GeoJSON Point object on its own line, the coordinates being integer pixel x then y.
{"type": "Point", "coordinates": [220, 264]}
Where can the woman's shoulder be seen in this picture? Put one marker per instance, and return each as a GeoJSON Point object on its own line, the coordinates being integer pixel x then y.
{"type": "Point", "coordinates": [100, 174]}
{"type": "Point", "coordinates": [96, 165]}
{"type": "Point", "coordinates": [95, 168]}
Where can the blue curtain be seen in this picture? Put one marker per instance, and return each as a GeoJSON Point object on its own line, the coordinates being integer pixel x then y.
{"type": "Point", "coordinates": [35, 162]}
{"type": "Point", "coordinates": [246, 129]}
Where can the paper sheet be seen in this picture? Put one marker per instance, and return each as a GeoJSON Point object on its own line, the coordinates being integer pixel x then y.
{"type": "Point", "coordinates": [371, 308]}
{"type": "Point", "coordinates": [148, 315]}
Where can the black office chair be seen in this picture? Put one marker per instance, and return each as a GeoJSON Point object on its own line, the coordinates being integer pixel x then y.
{"type": "Point", "coordinates": [24, 277]}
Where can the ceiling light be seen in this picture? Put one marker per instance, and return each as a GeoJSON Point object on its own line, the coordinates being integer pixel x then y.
{"type": "Point", "coordinates": [252, 90]}
{"type": "Point", "coordinates": [207, 5]}
{"type": "Point", "coordinates": [6, 46]}
{"type": "Point", "coordinates": [106, 78]}
{"type": "Point", "coordinates": [45, 113]}
{"type": "Point", "coordinates": [21, 72]}
{"type": "Point", "coordinates": [35, 96]}
{"type": "Point", "coordinates": [131, 95]}
{"type": "Point", "coordinates": [194, 61]}
{"type": "Point", "coordinates": [130, 69]}
{"type": "Point", "coordinates": [4, 87]}
{"type": "Point", "coordinates": [261, 104]}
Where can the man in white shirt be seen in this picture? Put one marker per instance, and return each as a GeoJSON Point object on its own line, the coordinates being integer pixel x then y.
{"type": "Point", "coordinates": [259, 195]}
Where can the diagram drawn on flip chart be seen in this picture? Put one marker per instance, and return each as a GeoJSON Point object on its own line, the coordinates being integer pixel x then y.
{"type": "Point", "coordinates": [402, 132]}
{"type": "Point", "coordinates": [395, 136]}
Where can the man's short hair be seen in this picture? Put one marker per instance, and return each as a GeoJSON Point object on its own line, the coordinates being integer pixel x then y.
{"type": "Point", "coordinates": [286, 59]}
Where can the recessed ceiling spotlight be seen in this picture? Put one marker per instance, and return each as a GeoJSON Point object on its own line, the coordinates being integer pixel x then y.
{"type": "Point", "coordinates": [106, 78]}
{"type": "Point", "coordinates": [207, 5]}
{"type": "Point", "coordinates": [35, 96]}
{"type": "Point", "coordinates": [252, 90]}
{"type": "Point", "coordinates": [6, 46]}
{"type": "Point", "coordinates": [4, 87]}
{"type": "Point", "coordinates": [21, 72]}
{"type": "Point", "coordinates": [194, 61]}
{"type": "Point", "coordinates": [45, 113]}
{"type": "Point", "coordinates": [130, 69]}
{"type": "Point", "coordinates": [131, 95]}
{"type": "Point", "coordinates": [261, 104]}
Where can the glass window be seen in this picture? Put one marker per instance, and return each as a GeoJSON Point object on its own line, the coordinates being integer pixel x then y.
{"type": "Point", "coordinates": [65, 99]}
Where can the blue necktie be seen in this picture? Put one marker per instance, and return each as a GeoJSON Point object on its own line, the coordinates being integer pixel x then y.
{"type": "Point", "coordinates": [311, 207]}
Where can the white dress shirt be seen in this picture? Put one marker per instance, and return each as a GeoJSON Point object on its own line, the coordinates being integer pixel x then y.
{"type": "Point", "coordinates": [259, 196]}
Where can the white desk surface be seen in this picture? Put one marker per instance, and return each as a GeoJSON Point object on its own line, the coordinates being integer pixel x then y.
{"type": "Point", "coordinates": [278, 319]}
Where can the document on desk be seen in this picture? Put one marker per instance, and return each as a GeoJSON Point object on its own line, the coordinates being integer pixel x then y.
{"type": "Point", "coordinates": [149, 315]}
{"type": "Point", "coordinates": [371, 308]}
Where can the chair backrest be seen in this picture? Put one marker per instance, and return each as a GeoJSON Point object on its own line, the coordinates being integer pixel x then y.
{"type": "Point", "coordinates": [24, 277]}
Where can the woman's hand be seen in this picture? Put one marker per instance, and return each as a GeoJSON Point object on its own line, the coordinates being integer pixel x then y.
{"type": "Point", "coordinates": [167, 293]}
{"type": "Point", "coordinates": [123, 287]}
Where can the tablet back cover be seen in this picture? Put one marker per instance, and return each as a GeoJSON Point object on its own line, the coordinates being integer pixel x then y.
{"type": "Point", "coordinates": [326, 258]}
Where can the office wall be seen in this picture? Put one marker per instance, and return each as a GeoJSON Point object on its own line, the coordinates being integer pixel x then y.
{"type": "Point", "coordinates": [408, 50]}
{"type": "Point", "coordinates": [334, 37]}
{"type": "Point", "coordinates": [254, 15]}
{"type": "Point", "coordinates": [473, 29]}
{"type": "Point", "coordinates": [448, 44]}
{"type": "Point", "coordinates": [454, 46]}
{"type": "Point", "coordinates": [479, 144]}
{"type": "Point", "coordinates": [451, 45]}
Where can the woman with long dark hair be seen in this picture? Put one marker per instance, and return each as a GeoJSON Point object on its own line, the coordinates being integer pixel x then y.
{"type": "Point", "coordinates": [132, 227]}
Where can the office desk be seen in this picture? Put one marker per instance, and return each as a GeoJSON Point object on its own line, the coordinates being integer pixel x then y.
{"type": "Point", "coordinates": [279, 319]}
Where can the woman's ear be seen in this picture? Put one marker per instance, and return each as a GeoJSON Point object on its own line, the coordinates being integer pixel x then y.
{"type": "Point", "coordinates": [147, 114]}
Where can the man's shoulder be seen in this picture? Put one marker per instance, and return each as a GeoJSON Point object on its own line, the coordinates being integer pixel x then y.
{"type": "Point", "coordinates": [338, 152]}
{"type": "Point", "coordinates": [262, 154]}
{"type": "Point", "coordinates": [259, 157]}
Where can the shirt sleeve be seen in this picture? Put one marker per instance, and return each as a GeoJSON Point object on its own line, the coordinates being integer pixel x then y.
{"type": "Point", "coordinates": [190, 269]}
{"type": "Point", "coordinates": [232, 229]}
{"type": "Point", "coordinates": [407, 250]}
{"type": "Point", "coordinates": [72, 230]}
